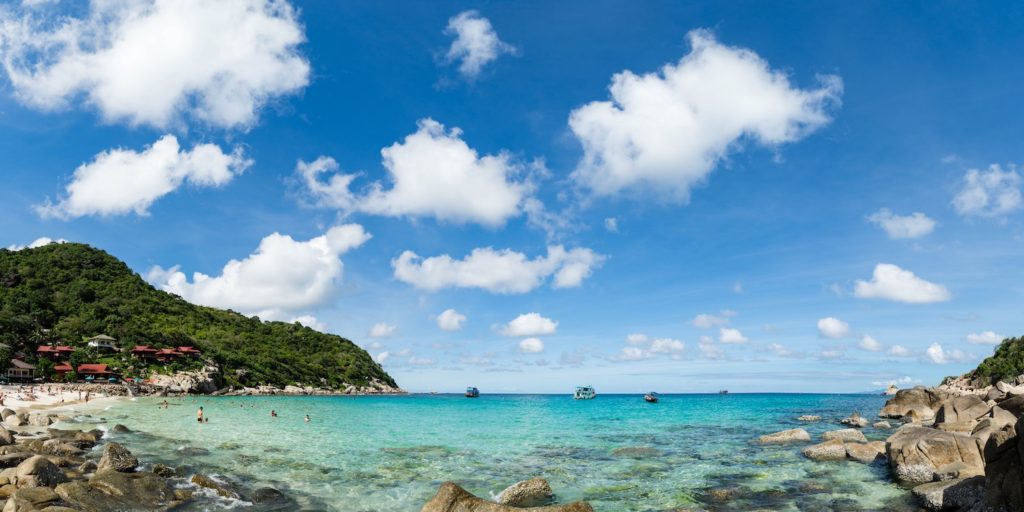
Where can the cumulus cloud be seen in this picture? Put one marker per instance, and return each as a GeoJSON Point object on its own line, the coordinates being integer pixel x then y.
{"type": "Point", "coordinates": [529, 324]}
{"type": "Point", "coordinates": [281, 278]}
{"type": "Point", "coordinates": [382, 330]}
{"type": "Point", "coordinates": [475, 44]}
{"type": "Point", "coordinates": [779, 349]}
{"type": "Point", "coordinates": [891, 282]}
{"type": "Point", "coordinates": [666, 346]}
{"type": "Point", "coordinates": [731, 336]}
{"type": "Point", "coordinates": [985, 338]}
{"type": "Point", "coordinates": [833, 328]}
{"type": "Point", "coordinates": [708, 349]}
{"type": "Point", "coordinates": [936, 354]}
{"type": "Point", "coordinates": [989, 193]}
{"type": "Point", "coordinates": [432, 173]}
{"type": "Point", "coordinates": [915, 225]}
{"type": "Point", "coordinates": [498, 271]}
{"type": "Point", "coordinates": [122, 181]}
{"type": "Point", "coordinates": [38, 242]}
{"type": "Point", "coordinates": [639, 346]}
{"type": "Point", "coordinates": [899, 351]}
{"type": "Point", "coordinates": [450, 320]}
{"type": "Point", "coordinates": [667, 131]}
{"type": "Point", "coordinates": [637, 339]}
{"type": "Point", "coordinates": [870, 344]}
{"type": "Point", "coordinates": [611, 225]}
{"type": "Point", "coordinates": [531, 346]}
{"type": "Point", "coordinates": [708, 320]}
{"type": "Point", "coordinates": [156, 62]}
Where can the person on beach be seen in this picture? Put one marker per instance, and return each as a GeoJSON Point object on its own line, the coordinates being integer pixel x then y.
{"type": "Point", "coordinates": [86, 397]}
{"type": "Point", "coordinates": [199, 414]}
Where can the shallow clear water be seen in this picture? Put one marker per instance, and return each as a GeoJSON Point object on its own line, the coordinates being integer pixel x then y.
{"type": "Point", "coordinates": [688, 452]}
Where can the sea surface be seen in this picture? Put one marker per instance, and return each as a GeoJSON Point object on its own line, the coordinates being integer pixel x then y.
{"type": "Point", "coordinates": [390, 453]}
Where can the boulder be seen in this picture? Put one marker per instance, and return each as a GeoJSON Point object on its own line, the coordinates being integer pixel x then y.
{"type": "Point", "coordinates": [139, 487]}
{"type": "Point", "coordinates": [164, 470]}
{"type": "Point", "coordinates": [961, 408]}
{"type": "Point", "coordinates": [965, 427]}
{"type": "Point", "coordinates": [919, 403]}
{"type": "Point", "coordinates": [15, 420]}
{"type": "Point", "coordinates": [855, 420]}
{"type": "Point", "coordinates": [1004, 469]}
{"type": "Point", "coordinates": [915, 453]}
{"type": "Point", "coordinates": [40, 419]}
{"type": "Point", "coordinates": [882, 425]}
{"type": "Point", "coordinates": [30, 498]}
{"type": "Point", "coordinates": [118, 458]}
{"type": "Point", "coordinates": [11, 460]}
{"type": "Point", "coordinates": [120, 429]}
{"type": "Point", "coordinates": [452, 498]}
{"type": "Point", "coordinates": [38, 471]}
{"type": "Point", "coordinates": [6, 412]}
{"type": "Point", "coordinates": [951, 494]}
{"type": "Point", "coordinates": [846, 434]}
{"type": "Point", "coordinates": [829, 450]}
{"type": "Point", "coordinates": [1014, 405]}
{"type": "Point", "coordinates": [866, 453]}
{"type": "Point", "coordinates": [221, 487]}
{"type": "Point", "coordinates": [953, 471]}
{"type": "Point", "coordinates": [786, 436]}
{"type": "Point", "coordinates": [6, 437]}
{"type": "Point", "coordinates": [534, 492]}
{"type": "Point", "coordinates": [87, 467]}
{"type": "Point", "coordinates": [809, 417]}
{"type": "Point", "coordinates": [268, 496]}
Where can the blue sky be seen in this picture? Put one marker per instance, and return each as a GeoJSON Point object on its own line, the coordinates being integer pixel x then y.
{"type": "Point", "coordinates": [821, 197]}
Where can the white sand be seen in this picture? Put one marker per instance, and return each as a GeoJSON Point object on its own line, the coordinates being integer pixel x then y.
{"type": "Point", "coordinates": [17, 397]}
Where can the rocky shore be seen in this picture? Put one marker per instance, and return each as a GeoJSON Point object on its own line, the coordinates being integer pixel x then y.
{"type": "Point", "coordinates": [956, 446]}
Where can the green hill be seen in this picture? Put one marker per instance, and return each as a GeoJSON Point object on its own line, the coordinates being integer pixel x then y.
{"type": "Point", "coordinates": [69, 292]}
{"type": "Point", "coordinates": [1005, 364]}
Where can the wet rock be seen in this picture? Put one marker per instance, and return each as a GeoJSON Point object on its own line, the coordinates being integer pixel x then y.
{"type": "Point", "coordinates": [882, 425]}
{"type": "Point", "coordinates": [866, 453]}
{"type": "Point", "coordinates": [855, 420]}
{"type": "Point", "coordinates": [40, 420]}
{"type": "Point", "coordinates": [915, 453]}
{"type": "Point", "coordinates": [118, 458]}
{"type": "Point", "coordinates": [137, 487]}
{"type": "Point", "coordinates": [452, 498]}
{"type": "Point", "coordinates": [267, 496]}
{"type": "Point", "coordinates": [6, 412]}
{"type": "Point", "coordinates": [920, 403]}
{"type": "Point", "coordinates": [636, 452]}
{"type": "Point", "coordinates": [120, 429]}
{"type": "Point", "coordinates": [38, 471]}
{"type": "Point", "coordinates": [87, 467]}
{"type": "Point", "coordinates": [30, 498]}
{"type": "Point", "coordinates": [786, 436]}
{"type": "Point", "coordinates": [12, 460]}
{"type": "Point", "coordinates": [5, 436]}
{"type": "Point", "coordinates": [220, 487]}
{"type": "Point", "coordinates": [534, 492]}
{"type": "Point", "coordinates": [846, 434]}
{"type": "Point", "coordinates": [829, 450]}
{"type": "Point", "coordinates": [809, 418]}
{"type": "Point", "coordinates": [950, 494]}
{"type": "Point", "coordinates": [164, 470]}
{"type": "Point", "coordinates": [62, 448]}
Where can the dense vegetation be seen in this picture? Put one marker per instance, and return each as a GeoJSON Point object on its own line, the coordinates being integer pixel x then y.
{"type": "Point", "coordinates": [1006, 364]}
{"type": "Point", "coordinates": [70, 292]}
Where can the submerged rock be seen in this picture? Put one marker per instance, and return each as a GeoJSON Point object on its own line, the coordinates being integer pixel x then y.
{"type": "Point", "coordinates": [866, 452]}
{"type": "Point", "coordinates": [855, 420]}
{"type": "Point", "coordinates": [224, 489]}
{"type": "Point", "coordinates": [636, 452]}
{"type": "Point", "coordinates": [534, 492]}
{"type": "Point", "coordinates": [882, 425]}
{"type": "Point", "coordinates": [786, 436]}
{"type": "Point", "coordinates": [809, 418]}
{"type": "Point", "coordinates": [452, 498]}
{"type": "Point", "coordinates": [268, 496]}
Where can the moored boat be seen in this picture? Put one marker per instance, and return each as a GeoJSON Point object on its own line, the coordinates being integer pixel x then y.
{"type": "Point", "coordinates": [584, 393]}
{"type": "Point", "coordinates": [472, 392]}
{"type": "Point", "coordinates": [651, 397]}
{"type": "Point", "coordinates": [723, 392]}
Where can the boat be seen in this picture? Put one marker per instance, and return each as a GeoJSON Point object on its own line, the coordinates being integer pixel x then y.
{"type": "Point", "coordinates": [472, 392]}
{"type": "Point", "coordinates": [723, 392]}
{"type": "Point", "coordinates": [584, 393]}
{"type": "Point", "coordinates": [651, 397]}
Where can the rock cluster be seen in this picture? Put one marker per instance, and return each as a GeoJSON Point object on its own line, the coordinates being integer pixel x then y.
{"type": "Point", "coordinates": [452, 498]}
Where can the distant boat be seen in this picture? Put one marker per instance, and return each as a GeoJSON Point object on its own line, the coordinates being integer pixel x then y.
{"type": "Point", "coordinates": [472, 392]}
{"type": "Point", "coordinates": [651, 397]}
{"type": "Point", "coordinates": [723, 392]}
{"type": "Point", "coordinates": [584, 393]}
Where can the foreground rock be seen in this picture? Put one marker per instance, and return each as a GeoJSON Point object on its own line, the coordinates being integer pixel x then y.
{"type": "Point", "coordinates": [866, 453]}
{"type": "Point", "coordinates": [829, 450]}
{"type": "Point", "coordinates": [786, 436]}
{"type": "Point", "coordinates": [919, 402]}
{"type": "Point", "coordinates": [534, 492]}
{"type": "Point", "coordinates": [916, 453]}
{"type": "Point", "coordinates": [1004, 468]}
{"type": "Point", "coordinates": [38, 471]}
{"type": "Point", "coordinates": [950, 494]}
{"type": "Point", "coordinates": [846, 434]}
{"type": "Point", "coordinates": [118, 458]}
{"type": "Point", "coordinates": [452, 498]}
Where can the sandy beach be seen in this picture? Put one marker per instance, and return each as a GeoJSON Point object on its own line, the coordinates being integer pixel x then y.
{"type": "Point", "coordinates": [44, 397]}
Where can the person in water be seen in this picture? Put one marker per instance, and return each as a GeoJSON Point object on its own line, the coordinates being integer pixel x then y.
{"type": "Point", "coordinates": [307, 418]}
{"type": "Point", "coordinates": [199, 414]}
{"type": "Point", "coordinates": [273, 413]}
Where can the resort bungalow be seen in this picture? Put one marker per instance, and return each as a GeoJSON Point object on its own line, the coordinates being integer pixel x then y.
{"type": "Point", "coordinates": [20, 370]}
{"type": "Point", "coordinates": [167, 355]}
{"type": "Point", "coordinates": [104, 342]}
{"type": "Point", "coordinates": [189, 351]}
{"type": "Point", "coordinates": [55, 352]}
{"type": "Point", "coordinates": [144, 352]}
{"type": "Point", "coordinates": [94, 371]}
{"type": "Point", "coordinates": [62, 369]}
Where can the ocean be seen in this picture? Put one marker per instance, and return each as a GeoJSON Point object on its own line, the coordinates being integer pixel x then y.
{"type": "Point", "coordinates": [390, 453]}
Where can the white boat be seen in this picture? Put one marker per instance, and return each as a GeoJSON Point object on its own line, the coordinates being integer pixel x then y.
{"type": "Point", "coordinates": [584, 393]}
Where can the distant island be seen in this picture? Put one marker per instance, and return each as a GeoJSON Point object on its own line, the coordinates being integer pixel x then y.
{"type": "Point", "coordinates": [70, 313]}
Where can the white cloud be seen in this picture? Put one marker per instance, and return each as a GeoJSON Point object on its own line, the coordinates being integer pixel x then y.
{"type": "Point", "coordinates": [284, 276]}
{"type": "Point", "coordinates": [611, 224]}
{"type": "Point", "coordinates": [476, 43]}
{"type": "Point", "coordinates": [936, 354]}
{"type": "Point", "coordinates": [830, 354]}
{"type": "Point", "coordinates": [632, 354]}
{"type": "Point", "coordinates": [833, 328]}
{"type": "Point", "coordinates": [870, 344]}
{"type": "Point", "coordinates": [122, 181]}
{"type": "Point", "coordinates": [637, 339]}
{"type": "Point", "coordinates": [311, 322]}
{"type": "Point", "coordinates": [154, 62]}
{"type": "Point", "coordinates": [382, 330]}
{"type": "Point", "coordinates": [906, 380]}
{"type": "Point", "coordinates": [667, 346]}
{"type": "Point", "coordinates": [529, 324]}
{"type": "Point", "coordinates": [732, 336]}
{"type": "Point", "coordinates": [382, 357]}
{"type": "Point", "coordinates": [450, 320]}
{"type": "Point", "coordinates": [989, 193]}
{"type": "Point", "coordinates": [985, 338]}
{"type": "Point", "coordinates": [899, 351]}
{"type": "Point", "coordinates": [708, 349]}
{"type": "Point", "coordinates": [708, 320]}
{"type": "Point", "coordinates": [432, 173]}
{"type": "Point", "coordinates": [667, 131]}
{"type": "Point", "coordinates": [891, 282]}
{"type": "Point", "coordinates": [914, 225]}
{"type": "Point", "coordinates": [779, 349]}
{"type": "Point", "coordinates": [531, 346]}
{"type": "Point", "coordinates": [502, 271]}
{"type": "Point", "coordinates": [38, 242]}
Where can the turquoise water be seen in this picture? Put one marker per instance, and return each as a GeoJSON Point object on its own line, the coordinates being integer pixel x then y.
{"type": "Point", "coordinates": [688, 452]}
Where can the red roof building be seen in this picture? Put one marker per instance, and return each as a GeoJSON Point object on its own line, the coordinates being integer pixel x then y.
{"type": "Point", "coordinates": [62, 369]}
{"type": "Point", "coordinates": [55, 351]}
{"type": "Point", "coordinates": [95, 369]}
{"type": "Point", "coordinates": [167, 354]}
{"type": "Point", "coordinates": [144, 351]}
{"type": "Point", "coordinates": [189, 351]}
